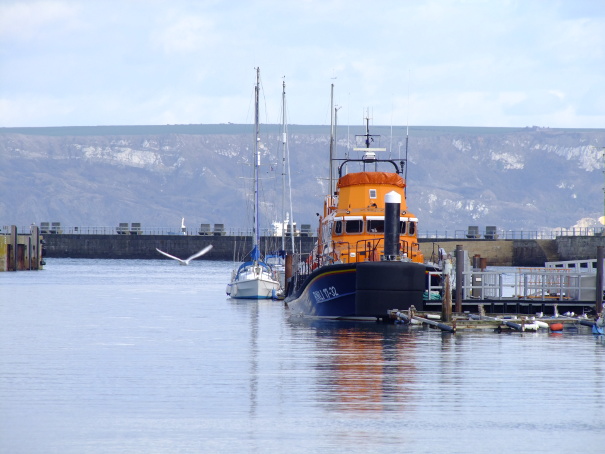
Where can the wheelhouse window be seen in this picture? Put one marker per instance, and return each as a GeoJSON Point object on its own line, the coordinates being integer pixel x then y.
{"type": "Point", "coordinates": [402, 227]}
{"type": "Point", "coordinates": [407, 226]}
{"type": "Point", "coordinates": [375, 224]}
{"type": "Point", "coordinates": [338, 228]}
{"type": "Point", "coordinates": [373, 193]}
{"type": "Point", "coordinates": [411, 228]}
{"type": "Point", "coordinates": [354, 225]}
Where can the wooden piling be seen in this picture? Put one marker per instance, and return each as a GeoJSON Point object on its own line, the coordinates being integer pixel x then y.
{"type": "Point", "coordinates": [12, 249]}
{"type": "Point", "coordinates": [482, 263]}
{"type": "Point", "coordinates": [288, 272]}
{"type": "Point", "coordinates": [446, 305]}
{"type": "Point", "coordinates": [459, 276]}
{"type": "Point", "coordinates": [36, 248]}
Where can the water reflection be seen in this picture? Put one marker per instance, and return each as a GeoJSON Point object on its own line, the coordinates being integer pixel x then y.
{"type": "Point", "coordinates": [363, 367]}
{"type": "Point", "coordinates": [98, 357]}
{"type": "Point", "coordinates": [251, 309]}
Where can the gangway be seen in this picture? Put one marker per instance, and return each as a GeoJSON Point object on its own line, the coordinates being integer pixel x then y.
{"type": "Point", "coordinates": [543, 284]}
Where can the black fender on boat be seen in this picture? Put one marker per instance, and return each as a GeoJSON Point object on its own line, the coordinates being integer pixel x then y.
{"type": "Point", "coordinates": [382, 286]}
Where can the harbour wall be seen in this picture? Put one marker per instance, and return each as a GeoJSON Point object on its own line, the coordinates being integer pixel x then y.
{"type": "Point", "coordinates": [497, 252]}
{"type": "Point", "coordinates": [144, 246]}
{"type": "Point", "coordinates": [525, 252]}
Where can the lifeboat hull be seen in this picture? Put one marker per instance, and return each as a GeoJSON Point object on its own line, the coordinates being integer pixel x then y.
{"type": "Point", "coordinates": [364, 290]}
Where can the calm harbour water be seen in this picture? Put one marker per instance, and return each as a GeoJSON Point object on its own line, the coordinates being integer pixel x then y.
{"type": "Point", "coordinates": [129, 356]}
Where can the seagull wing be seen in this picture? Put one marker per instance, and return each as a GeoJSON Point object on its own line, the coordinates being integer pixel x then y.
{"type": "Point", "coordinates": [199, 253]}
{"type": "Point", "coordinates": [170, 256]}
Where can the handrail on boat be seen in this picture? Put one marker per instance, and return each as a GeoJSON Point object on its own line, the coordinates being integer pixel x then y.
{"type": "Point", "coordinates": [345, 161]}
{"type": "Point", "coordinates": [367, 249]}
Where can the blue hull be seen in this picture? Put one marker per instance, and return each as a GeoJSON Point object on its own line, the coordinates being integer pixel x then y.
{"type": "Point", "coordinates": [359, 290]}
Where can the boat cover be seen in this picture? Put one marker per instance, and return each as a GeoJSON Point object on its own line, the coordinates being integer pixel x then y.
{"type": "Point", "coordinates": [352, 179]}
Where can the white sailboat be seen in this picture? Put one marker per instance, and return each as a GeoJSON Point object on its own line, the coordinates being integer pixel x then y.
{"type": "Point", "coordinates": [254, 279]}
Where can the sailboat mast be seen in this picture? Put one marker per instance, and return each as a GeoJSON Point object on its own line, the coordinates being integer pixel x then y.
{"type": "Point", "coordinates": [283, 174]}
{"type": "Point", "coordinates": [286, 170]}
{"type": "Point", "coordinates": [291, 217]}
{"type": "Point", "coordinates": [256, 224]}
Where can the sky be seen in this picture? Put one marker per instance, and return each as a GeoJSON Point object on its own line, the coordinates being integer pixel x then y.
{"type": "Point", "coordinates": [496, 63]}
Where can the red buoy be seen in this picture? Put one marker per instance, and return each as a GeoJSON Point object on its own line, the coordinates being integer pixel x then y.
{"type": "Point", "coordinates": [556, 327]}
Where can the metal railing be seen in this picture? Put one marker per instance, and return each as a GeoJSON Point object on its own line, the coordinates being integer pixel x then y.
{"type": "Point", "coordinates": [538, 284]}
{"type": "Point", "coordinates": [106, 230]}
{"type": "Point", "coordinates": [502, 234]}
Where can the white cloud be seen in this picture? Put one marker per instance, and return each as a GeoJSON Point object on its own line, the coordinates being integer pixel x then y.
{"type": "Point", "coordinates": [34, 110]}
{"type": "Point", "coordinates": [187, 34]}
{"type": "Point", "coordinates": [464, 62]}
{"type": "Point", "coordinates": [28, 20]}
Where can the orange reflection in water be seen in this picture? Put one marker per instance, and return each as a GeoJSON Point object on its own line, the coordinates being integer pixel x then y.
{"type": "Point", "coordinates": [369, 370]}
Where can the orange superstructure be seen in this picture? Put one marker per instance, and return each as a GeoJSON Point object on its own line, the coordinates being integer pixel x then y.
{"type": "Point", "coordinates": [352, 225]}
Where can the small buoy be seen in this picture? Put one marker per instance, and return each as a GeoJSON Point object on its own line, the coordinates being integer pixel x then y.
{"type": "Point", "coordinates": [556, 327]}
{"type": "Point", "coordinates": [531, 327]}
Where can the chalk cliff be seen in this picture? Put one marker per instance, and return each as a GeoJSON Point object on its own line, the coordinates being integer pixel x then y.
{"type": "Point", "coordinates": [525, 178]}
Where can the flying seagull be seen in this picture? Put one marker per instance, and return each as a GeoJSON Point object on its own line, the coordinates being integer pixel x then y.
{"type": "Point", "coordinates": [186, 262]}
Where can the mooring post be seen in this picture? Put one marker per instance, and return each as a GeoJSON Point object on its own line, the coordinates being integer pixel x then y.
{"type": "Point", "coordinates": [599, 302]}
{"type": "Point", "coordinates": [482, 263]}
{"type": "Point", "coordinates": [13, 247]}
{"type": "Point", "coordinates": [446, 302]}
{"type": "Point", "coordinates": [459, 276]}
{"type": "Point", "coordinates": [288, 272]}
{"type": "Point", "coordinates": [36, 255]}
{"type": "Point", "coordinates": [476, 262]}
{"type": "Point", "coordinates": [28, 253]}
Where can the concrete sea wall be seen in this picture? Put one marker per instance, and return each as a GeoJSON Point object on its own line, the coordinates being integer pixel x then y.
{"type": "Point", "coordinates": [144, 246]}
{"type": "Point", "coordinates": [497, 252]}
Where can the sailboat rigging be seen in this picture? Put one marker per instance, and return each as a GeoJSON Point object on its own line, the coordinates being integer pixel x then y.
{"type": "Point", "coordinates": [285, 226]}
{"type": "Point", "coordinates": [254, 279]}
{"type": "Point", "coordinates": [286, 170]}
